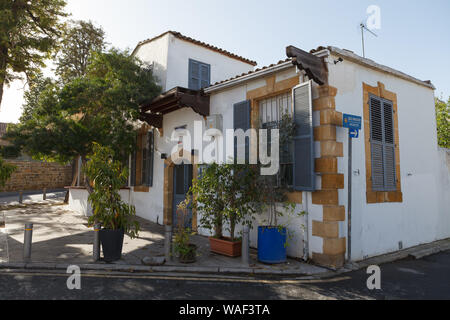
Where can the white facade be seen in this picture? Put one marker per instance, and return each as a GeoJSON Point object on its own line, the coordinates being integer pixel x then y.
{"type": "Point", "coordinates": [170, 57]}
{"type": "Point", "coordinates": [423, 215]}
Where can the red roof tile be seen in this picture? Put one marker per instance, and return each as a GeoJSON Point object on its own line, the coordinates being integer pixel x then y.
{"type": "Point", "coordinates": [253, 71]}
{"type": "Point", "coordinates": [200, 43]}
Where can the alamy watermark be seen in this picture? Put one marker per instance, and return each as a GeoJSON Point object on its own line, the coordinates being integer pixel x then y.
{"type": "Point", "coordinates": [374, 17]}
{"type": "Point", "coordinates": [74, 280]}
{"type": "Point", "coordinates": [374, 281]}
{"type": "Point", "coordinates": [221, 148]}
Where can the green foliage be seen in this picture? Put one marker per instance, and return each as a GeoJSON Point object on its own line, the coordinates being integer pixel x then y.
{"type": "Point", "coordinates": [79, 41]}
{"type": "Point", "coordinates": [182, 237]}
{"type": "Point", "coordinates": [225, 195]}
{"type": "Point", "coordinates": [108, 176]}
{"type": "Point", "coordinates": [6, 170]}
{"type": "Point", "coordinates": [443, 122]}
{"type": "Point", "coordinates": [29, 34]}
{"type": "Point", "coordinates": [62, 121]}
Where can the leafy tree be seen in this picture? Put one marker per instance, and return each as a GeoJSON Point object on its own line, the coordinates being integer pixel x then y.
{"type": "Point", "coordinates": [29, 31]}
{"type": "Point", "coordinates": [79, 41]}
{"type": "Point", "coordinates": [65, 120]}
{"type": "Point", "coordinates": [232, 196]}
{"type": "Point", "coordinates": [108, 176]}
{"type": "Point", "coordinates": [443, 122]}
{"type": "Point", "coordinates": [6, 170]}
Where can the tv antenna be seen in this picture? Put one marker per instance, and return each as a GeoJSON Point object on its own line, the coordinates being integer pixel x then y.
{"type": "Point", "coordinates": [363, 27]}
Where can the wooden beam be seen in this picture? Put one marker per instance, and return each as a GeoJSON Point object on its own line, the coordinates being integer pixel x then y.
{"type": "Point", "coordinates": [155, 120]}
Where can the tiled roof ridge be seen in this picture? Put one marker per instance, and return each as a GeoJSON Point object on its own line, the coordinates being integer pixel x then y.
{"type": "Point", "coordinates": [200, 43]}
{"type": "Point", "coordinates": [252, 71]}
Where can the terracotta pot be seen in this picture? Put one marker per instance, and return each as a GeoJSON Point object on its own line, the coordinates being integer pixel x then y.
{"type": "Point", "coordinates": [225, 247]}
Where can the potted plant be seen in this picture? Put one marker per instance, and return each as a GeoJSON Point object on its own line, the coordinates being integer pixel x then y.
{"type": "Point", "coordinates": [273, 237]}
{"type": "Point", "coordinates": [225, 194]}
{"type": "Point", "coordinates": [185, 250]}
{"type": "Point", "coordinates": [115, 216]}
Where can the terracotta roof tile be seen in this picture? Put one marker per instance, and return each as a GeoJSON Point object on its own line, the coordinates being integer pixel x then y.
{"type": "Point", "coordinates": [253, 71]}
{"type": "Point", "coordinates": [200, 43]}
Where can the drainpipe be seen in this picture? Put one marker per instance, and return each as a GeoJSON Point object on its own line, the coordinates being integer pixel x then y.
{"type": "Point", "coordinates": [306, 238]}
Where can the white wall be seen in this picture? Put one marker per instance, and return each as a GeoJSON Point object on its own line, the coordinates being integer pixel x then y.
{"type": "Point", "coordinates": [171, 55]}
{"type": "Point", "coordinates": [180, 51]}
{"type": "Point", "coordinates": [423, 215]}
{"type": "Point", "coordinates": [156, 52]}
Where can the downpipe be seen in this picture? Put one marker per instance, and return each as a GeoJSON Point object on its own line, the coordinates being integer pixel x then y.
{"type": "Point", "coordinates": [306, 237]}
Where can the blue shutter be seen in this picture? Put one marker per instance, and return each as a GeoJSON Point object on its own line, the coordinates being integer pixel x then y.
{"type": "Point", "coordinates": [150, 158]}
{"type": "Point", "coordinates": [242, 120]}
{"type": "Point", "coordinates": [376, 139]}
{"type": "Point", "coordinates": [390, 181]}
{"type": "Point", "coordinates": [205, 75]}
{"type": "Point", "coordinates": [304, 176]}
{"type": "Point", "coordinates": [382, 145]}
{"type": "Point", "coordinates": [199, 75]}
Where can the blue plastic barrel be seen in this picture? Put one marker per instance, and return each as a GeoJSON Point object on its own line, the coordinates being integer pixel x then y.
{"type": "Point", "coordinates": [272, 245]}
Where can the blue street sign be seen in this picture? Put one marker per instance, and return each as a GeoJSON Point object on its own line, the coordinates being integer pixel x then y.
{"type": "Point", "coordinates": [354, 134]}
{"type": "Point", "coordinates": [352, 122]}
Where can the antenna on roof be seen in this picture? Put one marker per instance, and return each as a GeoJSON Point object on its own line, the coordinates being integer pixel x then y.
{"type": "Point", "coordinates": [363, 27]}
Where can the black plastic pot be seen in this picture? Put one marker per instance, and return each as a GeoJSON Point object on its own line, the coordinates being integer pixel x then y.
{"type": "Point", "coordinates": [112, 243]}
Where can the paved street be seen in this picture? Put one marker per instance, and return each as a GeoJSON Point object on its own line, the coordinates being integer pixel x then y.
{"type": "Point", "coordinates": [30, 196]}
{"type": "Point", "coordinates": [428, 278]}
{"type": "Point", "coordinates": [63, 236]}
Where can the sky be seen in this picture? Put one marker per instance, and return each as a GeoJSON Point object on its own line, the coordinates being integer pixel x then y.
{"type": "Point", "coordinates": [414, 36]}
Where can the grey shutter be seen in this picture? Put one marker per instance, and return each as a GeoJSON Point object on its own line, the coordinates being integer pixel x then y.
{"type": "Point", "coordinates": [376, 136]}
{"type": "Point", "coordinates": [242, 120]}
{"type": "Point", "coordinates": [382, 145]}
{"type": "Point", "coordinates": [150, 158]}
{"type": "Point", "coordinates": [194, 75]}
{"type": "Point", "coordinates": [304, 177]}
{"type": "Point", "coordinates": [205, 74]}
{"type": "Point", "coordinates": [199, 75]}
{"type": "Point", "coordinates": [390, 182]}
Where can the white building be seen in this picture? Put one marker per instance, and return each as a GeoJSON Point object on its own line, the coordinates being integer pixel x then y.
{"type": "Point", "coordinates": [400, 177]}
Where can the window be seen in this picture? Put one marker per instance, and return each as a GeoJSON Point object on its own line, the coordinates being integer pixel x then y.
{"type": "Point", "coordinates": [199, 75]}
{"type": "Point", "coordinates": [382, 144]}
{"type": "Point", "coordinates": [142, 161]}
{"type": "Point", "coordinates": [271, 112]}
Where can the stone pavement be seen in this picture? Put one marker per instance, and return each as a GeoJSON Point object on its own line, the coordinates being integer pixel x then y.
{"type": "Point", "coordinates": [62, 237]}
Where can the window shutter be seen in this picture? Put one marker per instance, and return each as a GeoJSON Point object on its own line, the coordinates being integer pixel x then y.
{"type": "Point", "coordinates": [376, 132]}
{"type": "Point", "coordinates": [194, 75]}
{"type": "Point", "coordinates": [389, 147]}
{"type": "Point", "coordinates": [205, 73]}
{"type": "Point", "coordinates": [242, 120]}
{"type": "Point", "coordinates": [382, 145]}
{"type": "Point", "coordinates": [304, 177]}
{"type": "Point", "coordinates": [133, 169]}
{"type": "Point", "coordinates": [150, 158]}
{"type": "Point", "coordinates": [199, 75]}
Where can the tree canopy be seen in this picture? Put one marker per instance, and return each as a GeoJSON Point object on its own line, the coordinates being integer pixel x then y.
{"type": "Point", "coordinates": [79, 41]}
{"type": "Point", "coordinates": [63, 121]}
{"type": "Point", "coordinates": [443, 122]}
{"type": "Point", "coordinates": [29, 31]}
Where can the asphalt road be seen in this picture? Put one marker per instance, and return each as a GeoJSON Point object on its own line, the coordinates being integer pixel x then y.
{"type": "Point", "coordinates": [428, 278]}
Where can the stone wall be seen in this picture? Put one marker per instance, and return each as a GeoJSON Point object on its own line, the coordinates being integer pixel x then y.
{"type": "Point", "coordinates": [34, 175]}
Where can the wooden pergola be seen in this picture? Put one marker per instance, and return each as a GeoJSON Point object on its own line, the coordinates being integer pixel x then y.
{"type": "Point", "coordinates": [172, 100]}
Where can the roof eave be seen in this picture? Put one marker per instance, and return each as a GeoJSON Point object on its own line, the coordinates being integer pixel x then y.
{"type": "Point", "coordinates": [373, 65]}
